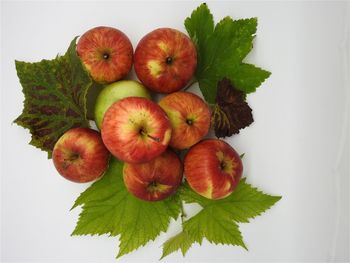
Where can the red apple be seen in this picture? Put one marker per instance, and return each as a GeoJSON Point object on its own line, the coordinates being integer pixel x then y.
{"type": "Point", "coordinates": [154, 180]}
{"type": "Point", "coordinates": [189, 117]}
{"type": "Point", "coordinates": [135, 130]}
{"type": "Point", "coordinates": [165, 60]}
{"type": "Point", "coordinates": [106, 53]}
{"type": "Point", "coordinates": [80, 155]}
{"type": "Point", "coordinates": [213, 168]}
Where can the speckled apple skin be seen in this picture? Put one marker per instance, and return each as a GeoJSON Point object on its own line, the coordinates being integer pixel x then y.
{"type": "Point", "coordinates": [165, 170]}
{"type": "Point", "coordinates": [182, 107]}
{"type": "Point", "coordinates": [80, 155]}
{"type": "Point", "coordinates": [203, 171]}
{"type": "Point", "coordinates": [151, 55]}
{"type": "Point", "coordinates": [121, 128]}
{"type": "Point", "coordinates": [98, 41]}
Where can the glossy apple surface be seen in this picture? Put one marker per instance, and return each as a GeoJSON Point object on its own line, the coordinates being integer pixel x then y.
{"type": "Point", "coordinates": [135, 130]}
{"type": "Point", "coordinates": [106, 53]}
{"type": "Point", "coordinates": [165, 60]}
{"type": "Point", "coordinates": [80, 155]}
{"type": "Point", "coordinates": [189, 117]}
{"type": "Point", "coordinates": [114, 92]}
{"type": "Point", "coordinates": [154, 180]}
{"type": "Point", "coordinates": [213, 168]}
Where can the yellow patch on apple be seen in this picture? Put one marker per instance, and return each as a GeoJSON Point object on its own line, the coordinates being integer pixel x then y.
{"type": "Point", "coordinates": [163, 47]}
{"type": "Point", "coordinates": [175, 117]}
{"type": "Point", "coordinates": [154, 68]}
{"type": "Point", "coordinates": [167, 137]}
{"type": "Point", "coordinates": [209, 192]}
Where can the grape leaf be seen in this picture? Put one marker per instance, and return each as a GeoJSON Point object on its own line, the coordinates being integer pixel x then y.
{"type": "Point", "coordinates": [217, 221]}
{"type": "Point", "coordinates": [181, 241]}
{"type": "Point", "coordinates": [55, 97]}
{"type": "Point", "coordinates": [220, 52]}
{"type": "Point", "coordinates": [108, 208]}
{"type": "Point", "coordinates": [231, 112]}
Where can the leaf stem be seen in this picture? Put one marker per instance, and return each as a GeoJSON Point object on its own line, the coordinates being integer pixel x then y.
{"type": "Point", "coordinates": [183, 214]}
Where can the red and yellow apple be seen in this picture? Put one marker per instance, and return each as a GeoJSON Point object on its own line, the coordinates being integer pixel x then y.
{"type": "Point", "coordinates": [106, 53]}
{"type": "Point", "coordinates": [154, 180]}
{"type": "Point", "coordinates": [189, 117]}
{"type": "Point", "coordinates": [165, 60]}
{"type": "Point", "coordinates": [213, 168]}
{"type": "Point", "coordinates": [80, 155]}
{"type": "Point", "coordinates": [114, 92]}
{"type": "Point", "coordinates": [135, 130]}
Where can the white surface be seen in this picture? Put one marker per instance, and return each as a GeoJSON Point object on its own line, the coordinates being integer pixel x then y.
{"type": "Point", "coordinates": [298, 146]}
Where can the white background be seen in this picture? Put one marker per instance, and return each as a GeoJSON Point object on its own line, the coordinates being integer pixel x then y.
{"type": "Point", "coordinates": [298, 146]}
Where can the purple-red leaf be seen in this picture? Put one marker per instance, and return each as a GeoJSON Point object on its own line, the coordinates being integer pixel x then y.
{"type": "Point", "coordinates": [231, 112]}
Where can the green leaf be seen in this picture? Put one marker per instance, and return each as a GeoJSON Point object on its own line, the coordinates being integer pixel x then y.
{"type": "Point", "coordinates": [221, 51]}
{"type": "Point", "coordinates": [108, 208]}
{"type": "Point", "coordinates": [244, 203]}
{"type": "Point", "coordinates": [181, 241]}
{"type": "Point", "coordinates": [54, 97]}
{"type": "Point", "coordinates": [248, 77]}
{"type": "Point", "coordinates": [217, 221]}
{"type": "Point", "coordinates": [215, 225]}
{"type": "Point", "coordinates": [200, 26]}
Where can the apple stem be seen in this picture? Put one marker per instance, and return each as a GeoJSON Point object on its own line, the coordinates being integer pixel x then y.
{"type": "Point", "coordinates": [150, 136]}
{"type": "Point", "coordinates": [72, 157]}
{"type": "Point", "coordinates": [153, 138]}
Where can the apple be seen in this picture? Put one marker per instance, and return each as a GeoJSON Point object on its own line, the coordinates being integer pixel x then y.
{"type": "Point", "coordinates": [154, 180]}
{"type": "Point", "coordinates": [213, 168]}
{"type": "Point", "coordinates": [114, 92]}
{"type": "Point", "coordinates": [80, 156]}
{"type": "Point", "coordinates": [189, 117]}
{"type": "Point", "coordinates": [165, 60]}
{"type": "Point", "coordinates": [106, 53]}
{"type": "Point", "coordinates": [135, 130]}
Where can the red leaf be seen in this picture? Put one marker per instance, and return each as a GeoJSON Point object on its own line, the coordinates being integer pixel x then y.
{"type": "Point", "coordinates": [231, 112]}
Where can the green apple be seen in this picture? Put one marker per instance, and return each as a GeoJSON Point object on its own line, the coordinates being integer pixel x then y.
{"type": "Point", "coordinates": [117, 91]}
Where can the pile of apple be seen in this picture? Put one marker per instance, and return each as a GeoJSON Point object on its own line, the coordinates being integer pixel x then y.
{"type": "Point", "coordinates": [142, 133]}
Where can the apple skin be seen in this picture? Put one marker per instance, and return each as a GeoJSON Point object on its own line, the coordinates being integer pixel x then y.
{"type": "Point", "coordinates": [80, 156]}
{"type": "Point", "coordinates": [213, 168]}
{"type": "Point", "coordinates": [154, 180]}
{"type": "Point", "coordinates": [165, 60]}
{"type": "Point", "coordinates": [135, 130]}
{"type": "Point", "coordinates": [189, 116]}
{"type": "Point", "coordinates": [106, 53]}
{"type": "Point", "coordinates": [114, 92]}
